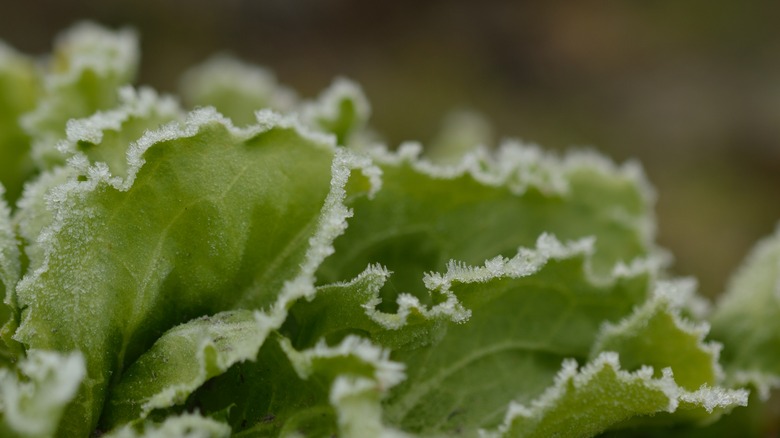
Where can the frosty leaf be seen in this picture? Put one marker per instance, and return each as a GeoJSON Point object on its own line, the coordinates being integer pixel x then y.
{"type": "Point", "coordinates": [528, 314]}
{"type": "Point", "coordinates": [576, 405]}
{"type": "Point", "coordinates": [19, 89]}
{"type": "Point", "coordinates": [461, 132]}
{"type": "Point", "coordinates": [10, 271]}
{"type": "Point", "coordinates": [183, 426]}
{"type": "Point", "coordinates": [359, 373]}
{"type": "Point", "coordinates": [33, 215]}
{"type": "Point", "coordinates": [464, 281]}
{"type": "Point", "coordinates": [321, 391]}
{"type": "Point", "coordinates": [103, 137]}
{"type": "Point", "coordinates": [107, 135]}
{"type": "Point", "coordinates": [33, 400]}
{"type": "Point", "coordinates": [235, 89]}
{"type": "Point", "coordinates": [123, 261]}
{"type": "Point", "coordinates": [747, 319]}
{"type": "Point", "coordinates": [426, 215]}
{"type": "Point", "coordinates": [656, 335]}
{"type": "Point", "coordinates": [181, 361]}
{"type": "Point", "coordinates": [9, 253]}
{"type": "Point", "coordinates": [351, 307]}
{"type": "Point", "coordinates": [490, 324]}
{"type": "Point", "coordinates": [342, 110]}
{"type": "Point", "coordinates": [87, 67]}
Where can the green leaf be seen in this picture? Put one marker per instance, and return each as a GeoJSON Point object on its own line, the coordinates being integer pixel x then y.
{"type": "Point", "coordinates": [33, 214]}
{"type": "Point", "coordinates": [461, 132]}
{"type": "Point", "coordinates": [320, 391]}
{"type": "Point", "coordinates": [10, 272]}
{"type": "Point", "coordinates": [656, 335]}
{"type": "Point", "coordinates": [528, 314]}
{"type": "Point", "coordinates": [446, 308]}
{"type": "Point", "coordinates": [342, 110]}
{"type": "Point", "coordinates": [325, 389]}
{"type": "Point", "coordinates": [525, 315]}
{"type": "Point", "coordinates": [576, 406]}
{"type": "Point", "coordinates": [208, 219]}
{"type": "Point", "coordinates": [33, 399]}
{"type": "Point", "coordinates": [340, 309]}
{"type": "Point", "coordinates": [87, 67]}
{"type": "Point", "coordinates": [182, 360]}
{"type": "Point", "coordinates": [359, 375]}
{"type": "Point", "coordinates": [426, 215]}
{"type": "Point", "coordinates": [106, 136]}
{"type": "Point", "coordinates": [236, 89]}
{"type": "Point", "coordinates": [747, 319]}
{"type": "Point", "coordinates": [182, 426]}
{"type": "Point", "coordinates": [19, 89]}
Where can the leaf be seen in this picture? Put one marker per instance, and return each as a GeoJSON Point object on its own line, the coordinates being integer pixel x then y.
{"type": "Point", "coordinates": [182, 360]}
{"type": "Point", "coordinates": [576, 406]}
{"type": "Point", "coordinates": [32, 403]}
{"type": "Point", "coordinates": [747, 319]}
{"type": "Point", "coordinates": [106, 136]}
{"type": "Point", "coordinates": [32, 213]}
{"type": "Point", "coordinates": [342, 110]}
{"type": "Point", "coordinates": [426, 215]}
{"type": "Point", "coordinates": [101, 138]}
{"type": "Point", "coordinates": [564, 308]}
{"type": "Point", "coordinates": [330, 389]}
{"type": "Point", "coordinates": [359, 373]}
{"type": "Point", "coordinates": [209, 218]}
{"type": "Point", "coordinates": [321, 391]}
{"type": "Point", "coordinates": [340, 309]}
{"type": "Point", "coordinates": [19, 88]}
{"type": "Point", "coordinates": [182, 426]}
{"type": "Point", "coordinates": [236, 89]}
{"type": "Point", "coordinates": [656, 335]}
{"type": "Point", "coordinates": [87, 67]}
{"type": "Point", "coordinates": [10, 271]}
{"type": "Point", "coordinates": [528, 314]}
{"type": "Point", "coordinates": [461, 132]}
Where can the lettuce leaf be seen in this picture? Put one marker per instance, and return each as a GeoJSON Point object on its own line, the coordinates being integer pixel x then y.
{"type": "Point", "coordinates": [33, 402]}
{"type": "Point", "coordinates": [144, 270]}
{"type": "Point", "coordinates": [20, 86]}
{"type": "Point", "coordinates": [262, 266]}
{"type": "Point", "coordinates": [746, 319]}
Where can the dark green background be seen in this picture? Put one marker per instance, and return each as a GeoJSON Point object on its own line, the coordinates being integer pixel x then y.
{"type": "Point", "coordinates": [691, 88]}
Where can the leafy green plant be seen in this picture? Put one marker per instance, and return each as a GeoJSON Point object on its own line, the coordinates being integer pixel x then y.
{"type": "Point", "coordinates": [261, 265]}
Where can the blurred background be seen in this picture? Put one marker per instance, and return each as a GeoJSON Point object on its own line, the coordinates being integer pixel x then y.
{"type": "Point", "coordinates": [691, 89]}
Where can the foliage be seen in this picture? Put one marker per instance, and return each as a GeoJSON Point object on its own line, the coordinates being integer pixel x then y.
{"type": "Point", "coordinates": [262, 266]}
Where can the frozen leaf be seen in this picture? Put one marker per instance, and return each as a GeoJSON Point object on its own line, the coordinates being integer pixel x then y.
{"type": "Point", "coordinates": [747, 319]}
{"type": "Point", "coordinates": [33, 399]}
{"type": "Point", "coordinates": [122, 261]}
{"type": "Point", "coordinates": [88, 66]}
{"type": "Point", "coordinates": [20, 86]}
{"type": "Point", "coordinates": [236, 89]}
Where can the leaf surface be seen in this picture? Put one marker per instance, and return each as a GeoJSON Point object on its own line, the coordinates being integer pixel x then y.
{"type": "Point", "coordinates": [209, 218]}
{"type": "Point", "coordinates": [747, 319]}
